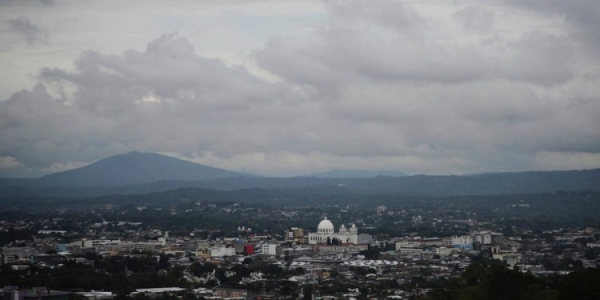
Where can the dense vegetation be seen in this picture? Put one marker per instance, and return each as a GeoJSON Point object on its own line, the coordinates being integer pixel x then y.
{"type": "Point", "coordinates": [532, 211]}
{"type": "Point", "coordinates": [493, 281]}
{"type": "Point", "coordinates": [125, 274]}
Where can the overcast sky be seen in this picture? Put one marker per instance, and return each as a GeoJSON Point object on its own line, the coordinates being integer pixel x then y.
{"type": "Point", "coordinates": [294, 87]}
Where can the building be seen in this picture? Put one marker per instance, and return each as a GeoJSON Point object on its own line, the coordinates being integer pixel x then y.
{"type": "Point", "coordinates": [97, 295]}
{"type": "Point", "coordinates": [230, 293]}
{"type": "Point", "coordinates": [13, 255]}
{"type": "Point", "coordinates": [326, 234]}
{"type": "Point", "coordinates": [350, 249]}
{"type": "Point", "coordinates": [411, 251]}
{"type": "Point", "coordinates": [408, 243]}
{"type": "Point", "coordinates": [37, 293]}
{"type": "Point", "coordinates": [269, 249]}
{"type": "Point", "coordinates": [159, 291]}
{"type": "Point", "coordinates": [509, 256]}
{"type": "Point", "coordinates": [86, 244]}
{"type": "Point", "coordinates": [593, 245]}
{"type": "Point", "coordinates": [365, 238]}
{"type": "Point", "coordinates": [294, 234]}
{"type": "Point", "coordinates": [220, 251]}
{"type": "Point", "coordinates": [444, 251]}
{"type": "Point", "coordinates": [483, 238]}
{"type": "Point", "coordinates": [248, 249]}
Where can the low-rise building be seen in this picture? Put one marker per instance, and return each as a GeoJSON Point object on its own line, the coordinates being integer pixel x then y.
{"type": "Point", "coordinates": [36, 293]}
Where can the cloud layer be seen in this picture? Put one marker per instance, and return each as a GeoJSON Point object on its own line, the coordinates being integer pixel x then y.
{"type": "Point", "coordinates": [31, 32]}
{"type": "Point", "coordinates": [424, 88]}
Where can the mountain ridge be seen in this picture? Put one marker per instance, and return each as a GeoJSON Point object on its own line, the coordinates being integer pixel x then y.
{"type": "Point", "coordinates": [135, 168]}
{"type": "Point", "coordinates": [136, 173]}
{"type": "Point", "coordinates": [357, 173]}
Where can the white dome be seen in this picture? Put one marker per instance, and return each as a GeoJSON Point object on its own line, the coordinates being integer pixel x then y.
{"type": "Point", "coordinates": [325, 226]}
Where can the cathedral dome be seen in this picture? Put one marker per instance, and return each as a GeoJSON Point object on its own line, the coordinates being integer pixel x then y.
{"type": "Point", "coordinates": [325, 226]}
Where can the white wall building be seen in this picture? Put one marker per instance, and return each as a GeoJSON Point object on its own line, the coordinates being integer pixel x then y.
{"type": "Point", "coordinates": [483, 238]}
{"type": "Point", "coordinates": [444, 251]}
{"type": "Point", "coordinates": [269, 249]}
{"type": "Point", "coordinates": [221, 251]}
{"type": "Point", "coordinates": [407, 244]}
{"type": "Point", "coordinates": [86, 244]}
{"type": "Point", "coordinates": [462, 240]}
{"type": "Point", "coordinates": [326, 231]}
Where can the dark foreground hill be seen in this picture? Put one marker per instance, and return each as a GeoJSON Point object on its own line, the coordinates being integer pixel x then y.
{"type": "Point", "coordinates": [133, 168]}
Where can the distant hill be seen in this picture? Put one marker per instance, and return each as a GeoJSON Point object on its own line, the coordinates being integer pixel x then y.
{"type": "Point", "coordinates": [140, 173]}
{"type": "Point", "coordinates": [357, 174]}
{"type": "Point", "coordinates": [134, 168]}
{"type": "Point", "coordinates": [436, 185]}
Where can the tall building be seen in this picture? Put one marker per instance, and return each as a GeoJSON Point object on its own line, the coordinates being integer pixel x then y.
{"type": "Point", "coordinates": [381, 209]}
{"type": "Point", "coordinates": [326, 234]}
{"type": "Point", "coordinates": [294, 234]}
{"type": "Point", "coordinates": [269, 249]}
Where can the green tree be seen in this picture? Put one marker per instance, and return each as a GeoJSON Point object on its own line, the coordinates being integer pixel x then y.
{"type": "Point", "coordinates": [581, 285]}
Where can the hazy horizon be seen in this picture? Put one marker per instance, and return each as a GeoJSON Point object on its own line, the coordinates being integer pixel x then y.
{"type": "Point", "coordinates": [385, 172]}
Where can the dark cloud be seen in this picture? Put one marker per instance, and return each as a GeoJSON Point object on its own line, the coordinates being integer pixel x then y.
{"type": "Point", "coordinates": [31, 32]}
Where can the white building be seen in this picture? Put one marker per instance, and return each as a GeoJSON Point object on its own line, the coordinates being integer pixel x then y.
{"type": "Point", "coordinates": [462, 240]}
{"type": "Point", "coordinates": [220, 251]}
{"type": "Point", "coordinates": [593, 245]}
{"type": "Point", "coordinates": [407, 244]}
{"type": "Point", "coordinates": [86, 244]}
{"type": "Point", "coordinates": [326, 232]}
{"type": "Point", "coordinates": [483, 238]}
{"type": "Point", "coordinates": [269, 249]}
{"type": "Point", "coordinates": [444, 251]}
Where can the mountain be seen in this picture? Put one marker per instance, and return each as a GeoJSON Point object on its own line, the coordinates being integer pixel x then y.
{"type": "Point", "coordinates": [358, 174]}
{"type": "Point", "coordinates": [134, 168]}
{"type": "Point", "coordinates": [141, 173]}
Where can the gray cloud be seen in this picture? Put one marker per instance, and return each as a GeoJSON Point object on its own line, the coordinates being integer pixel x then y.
{"type": "Point", "coordinates": [400, 93]}
{"type": "Point", "coordinates": [31, 32]}
{"type": "Point", "coordinates": [44, 2]}
{"type": "Point", "coordinates": [476, 18]}
{"type": "Point", "coordinates": [377, 86]}
{"type": "Point", "coordinates": [164, 99]}
{"type": "Point", "coordinates": [581, 17]}
{"type": "Point", "coordinates": [354, 48]}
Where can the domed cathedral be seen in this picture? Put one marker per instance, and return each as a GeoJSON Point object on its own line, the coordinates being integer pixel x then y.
{"type": "Point", "coordinates": [326, 234]}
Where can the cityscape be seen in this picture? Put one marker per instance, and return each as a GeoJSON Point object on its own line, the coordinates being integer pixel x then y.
{"type": "Point", "coordinates": [299, 149]}
{"type": "Point", "coordinates": [331, 241]}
